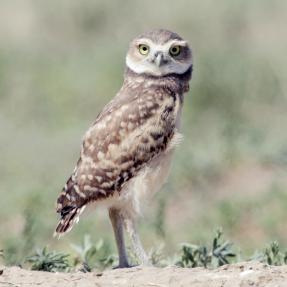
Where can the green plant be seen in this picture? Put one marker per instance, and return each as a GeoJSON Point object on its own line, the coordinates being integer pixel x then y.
{"type": "Point", "coordinates": [17, 248]}
{"type": "Point", "coordinates": [200, 255]}
{"type": "Point", "coordinates": [272, 255]}
{"type": "Point", "coordinates": [49, 261]}
{"type": "Point", "coordinates": [156, 256]}
{"type": "Point", "coordinates": [92, 255]}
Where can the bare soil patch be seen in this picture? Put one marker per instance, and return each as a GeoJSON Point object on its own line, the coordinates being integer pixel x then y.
{"type": "Point", "coordinates": [233, 275]}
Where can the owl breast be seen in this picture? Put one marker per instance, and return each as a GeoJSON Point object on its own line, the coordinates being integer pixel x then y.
{"type": "Point", "coordinates": [151, 178]}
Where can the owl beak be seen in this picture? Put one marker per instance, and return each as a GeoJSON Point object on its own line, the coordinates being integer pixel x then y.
{"type": "Point", "coordinates": [158, 59]}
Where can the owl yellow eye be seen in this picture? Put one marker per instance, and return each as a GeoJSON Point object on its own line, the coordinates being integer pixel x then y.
{"type": "Point", "coordinates": [143, 49]}
{"type": "Point", "coordinates": [175, 50]}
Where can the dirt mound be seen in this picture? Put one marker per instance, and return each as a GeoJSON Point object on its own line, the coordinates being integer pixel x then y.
{"type": "Point", "coordinates": [241, 274]}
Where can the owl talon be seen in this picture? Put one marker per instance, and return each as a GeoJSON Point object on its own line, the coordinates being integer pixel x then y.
{"type": "Point", "coordinates": [120, 266]}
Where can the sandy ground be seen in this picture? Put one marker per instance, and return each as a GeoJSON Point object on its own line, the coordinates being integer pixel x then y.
{"type": "Point", "coordinates": [241, 274]}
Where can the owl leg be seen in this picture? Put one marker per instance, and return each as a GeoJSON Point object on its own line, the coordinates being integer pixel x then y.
{"type": "Point", "coordinates": [130, 227]}
{"type": "Point", "coordinates": [117, 224]}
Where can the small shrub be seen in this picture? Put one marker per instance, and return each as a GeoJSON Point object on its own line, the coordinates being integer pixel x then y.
{"type": "Point", "coordinates": [18, 248]}
{"type": "Point", "coordinates": [49, 261]}
{"type": "Point", "coordinates": [272, 255]}
{"type": "Point", "coordinates": [200, 255]}
{"type": "Point", "coordinates": [92, 255]}
{"type": "Point", "coordinates": [157, 258]}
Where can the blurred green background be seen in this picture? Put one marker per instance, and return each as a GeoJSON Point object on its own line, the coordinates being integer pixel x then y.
{"type": "Point", "coordinates": [62, 61]}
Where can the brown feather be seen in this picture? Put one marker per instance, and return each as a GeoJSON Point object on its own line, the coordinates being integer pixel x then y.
{"type": "Point", "coordinates": [135, 127]}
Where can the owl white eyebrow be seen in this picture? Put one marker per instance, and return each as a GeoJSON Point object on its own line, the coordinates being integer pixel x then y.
{"type": "Point", "coordinates": [144, 41]}
{"type": "Point", "coordinates": [178, 42]}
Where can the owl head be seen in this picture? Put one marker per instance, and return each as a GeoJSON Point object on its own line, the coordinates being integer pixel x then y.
{"type": "Point", "coordinates": [159, 53]}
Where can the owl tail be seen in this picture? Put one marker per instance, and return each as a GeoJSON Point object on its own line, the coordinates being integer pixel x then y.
{"type": "Point", "coordinates": [70, 204]}
{"type": "Point", "coordinates": [68, 220]}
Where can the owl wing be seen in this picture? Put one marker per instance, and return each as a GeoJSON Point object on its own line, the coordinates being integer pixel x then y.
{"type": "Point", "coordinates": [126, 136]}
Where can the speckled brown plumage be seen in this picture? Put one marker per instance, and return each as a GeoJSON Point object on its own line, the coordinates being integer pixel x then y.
{"type": "Point", "coordinates": [138, 124]}
{"type": "Point", "coordinates": [126, 153]}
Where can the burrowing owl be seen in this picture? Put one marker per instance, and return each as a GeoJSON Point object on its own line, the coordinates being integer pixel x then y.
{"type": "Point", "coordinates": [127, 152]}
